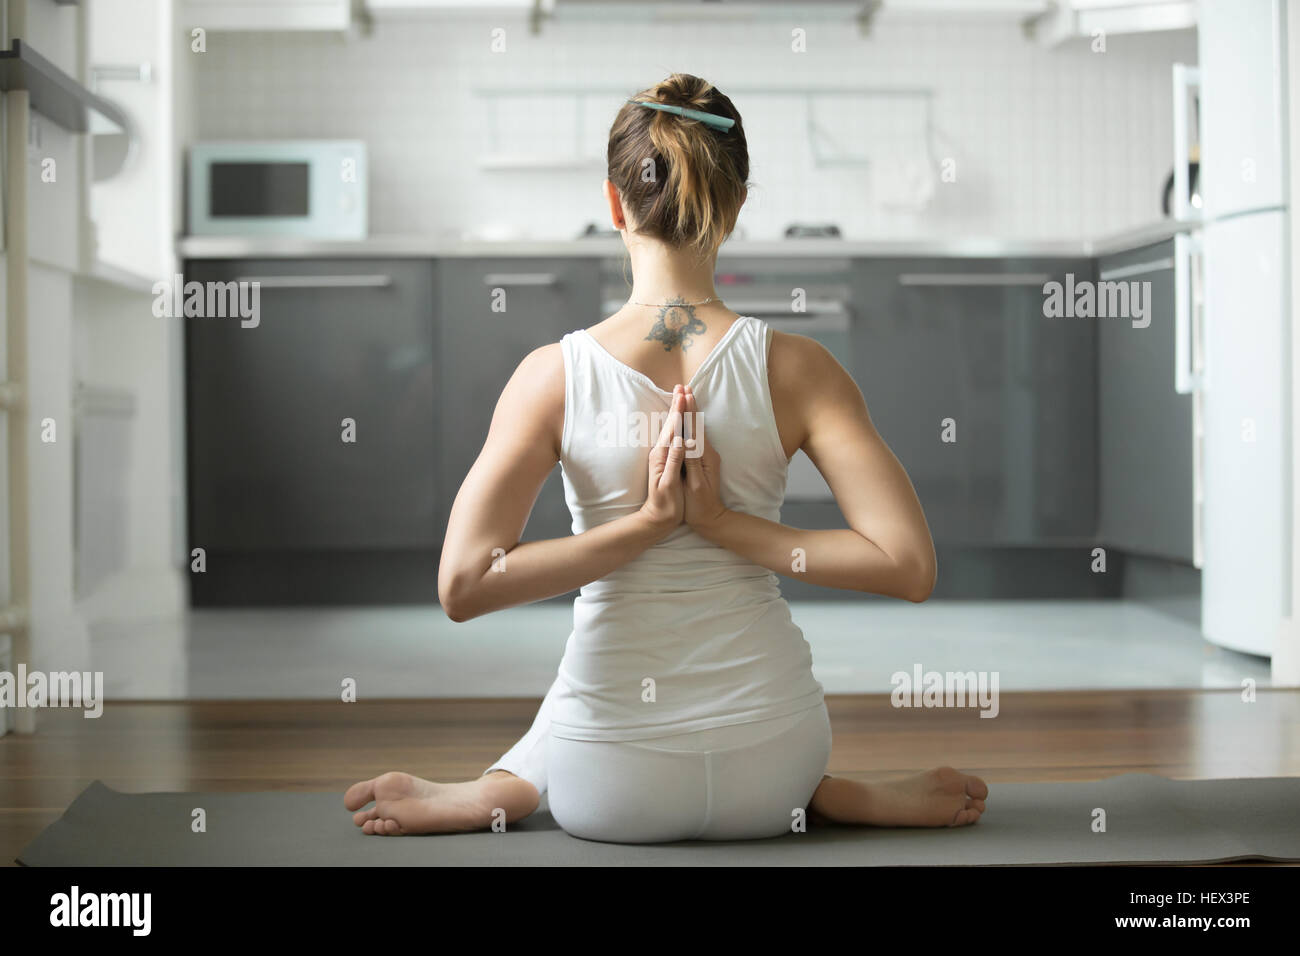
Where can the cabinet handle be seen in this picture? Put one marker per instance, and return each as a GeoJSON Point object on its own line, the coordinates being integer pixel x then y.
{"type": "Point", "coordinates": [1187, 299]}
{"type": "Point", "coordinates": [820, 314]}
{"type": "Point", "coordinates": [1185, 77]}
{"type": "Point", "coordinates": [495, 279]}
{"type": "Point", "coordinates": [135, 73]}
{"type": "Point", "coordinates": [826, 315]}
{"type": "Point", "coordinates": [98, 400]}
{"type": "Point", "coordinates": [1189, 322]}
{"type": "Point", "coordinates": [1137, 269]}
{"type": "Point", "coordinates": [320, 282]}
{"type": "Point", "coordinates": [973, 278]}
{"type": "Point", "coordinates": [1198, 481]}
{"type": "Point", "coordinates": [781, 307]}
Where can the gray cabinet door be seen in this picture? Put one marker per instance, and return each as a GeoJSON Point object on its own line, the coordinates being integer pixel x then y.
{"type": "Point", "coordinates": [1146, 427]}
{"type": "Point", "coordinates": [967, 340]}
{"type": "Point", "coordinates": [479, 349]}
{"type": "Point", "coordinates": [269, 469]}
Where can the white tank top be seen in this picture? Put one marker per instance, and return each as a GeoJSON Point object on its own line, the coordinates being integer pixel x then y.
{"type": "Point", "coordinates": [688, 635]}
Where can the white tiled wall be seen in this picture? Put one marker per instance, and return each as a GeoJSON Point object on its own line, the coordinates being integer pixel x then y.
{"type": "Point", "coordinates": [1047, 143]}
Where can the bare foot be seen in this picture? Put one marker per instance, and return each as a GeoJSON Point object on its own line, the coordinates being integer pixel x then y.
{"type": "Point", "coordinates": [942, 797]}
{"type": "Point", "coordinates": [406, 805]}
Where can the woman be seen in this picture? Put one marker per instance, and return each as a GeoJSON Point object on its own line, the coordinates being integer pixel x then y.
{"type": "Point", "coordinates": [685, 706]}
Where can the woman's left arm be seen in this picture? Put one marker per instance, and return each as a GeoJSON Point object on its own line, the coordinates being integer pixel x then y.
{"type": "Point", "coordinates": [886, 549]}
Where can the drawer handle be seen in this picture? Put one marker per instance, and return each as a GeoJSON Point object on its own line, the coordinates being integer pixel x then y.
{"type": "Point", "coordinates": [973, 278]}
{"type": "Point", "coordinates": [1188, 304]}
{"type": "Point", "coordinates": [320, 282]}
{"type": "Point", "coordinates": [1140, 268]}
{"type": "Point", "coordinates": [782, 307]}
{"type": "Point", "coordinates": [1185, 78]}
{"type": "Point", "coordinates": [495, 279]}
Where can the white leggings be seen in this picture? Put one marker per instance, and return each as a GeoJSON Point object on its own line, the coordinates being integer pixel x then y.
{"type": "Point", "coordinates": [740, 782]}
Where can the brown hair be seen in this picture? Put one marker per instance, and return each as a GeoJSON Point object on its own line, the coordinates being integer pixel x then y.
{"type": "Point", "coordinates": [700, 173]}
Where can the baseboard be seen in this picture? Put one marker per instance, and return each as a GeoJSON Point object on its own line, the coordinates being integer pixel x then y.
{"type": "Point", "coordinates": [286, 578]}
{"type": "Point", "coordinates": [136, 594]}
{"type": "Point", "coordinates": [1171, 587]}
{"type": "Point", "coordinates": [6, 667]}
{"type": "Point", "coordinates": [316, 578]}
{"type": "Point", "coordinates": [968, 573]}
{"type": "Point", "coordinates": [1286, 654]}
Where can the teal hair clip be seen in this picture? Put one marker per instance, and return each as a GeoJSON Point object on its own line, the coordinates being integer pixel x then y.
{"type": "Point", "coordinates": [723, 123]}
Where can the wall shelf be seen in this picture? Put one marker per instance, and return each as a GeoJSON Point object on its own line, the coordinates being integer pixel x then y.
{"type": "Point", "coordinates": [55, 95]}
{"type": "Point", "coordinates": [820, 137]}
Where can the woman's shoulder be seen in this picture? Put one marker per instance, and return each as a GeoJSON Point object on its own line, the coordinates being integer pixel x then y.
{"type": "Point", "coordinates": [798, 359]}
{"type": "Point", "coordinates": [804, 377]}
{"type": "Point", "coordinates": [532, 401]}
{"type": "Point", "coordinates": [542, 369]}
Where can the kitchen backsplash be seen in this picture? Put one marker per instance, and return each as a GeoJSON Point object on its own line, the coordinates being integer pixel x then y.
{"type": "Point", "coordinates": [1025, 142]}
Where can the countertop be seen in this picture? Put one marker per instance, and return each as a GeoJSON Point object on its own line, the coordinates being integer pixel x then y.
{"type": "Point", "coordinates": [421, 247]}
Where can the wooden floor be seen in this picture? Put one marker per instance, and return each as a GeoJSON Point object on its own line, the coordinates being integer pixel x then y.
{"type": "Point", "coordinates": [296, 745]}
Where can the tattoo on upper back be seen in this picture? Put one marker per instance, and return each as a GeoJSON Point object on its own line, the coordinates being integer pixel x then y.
{"type": "Point", "coordinates": [676, 324]}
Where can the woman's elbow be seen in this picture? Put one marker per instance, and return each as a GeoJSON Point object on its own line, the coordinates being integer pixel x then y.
{"type": "Point", "coordinates": [454, 597]}
{"type": "Point", "coordinates": [454, 611]}
{"type": "Point", "coordinates": [918, 593]}
{"type": "Point", "coordinates": [452, 607]}
{"type": "Point", "coordinates": [918, 579]}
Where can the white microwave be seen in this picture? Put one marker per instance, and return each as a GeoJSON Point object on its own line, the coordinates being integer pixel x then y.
{"type": "Point", "coordinates": [306, 188]}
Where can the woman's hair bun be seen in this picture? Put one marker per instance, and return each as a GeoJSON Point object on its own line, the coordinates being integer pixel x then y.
{"type": "Point", "coordinates": [682, 181]}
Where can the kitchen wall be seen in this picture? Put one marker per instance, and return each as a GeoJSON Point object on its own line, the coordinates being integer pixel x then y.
{"type": "Point", "coordinates": [1048, 142]}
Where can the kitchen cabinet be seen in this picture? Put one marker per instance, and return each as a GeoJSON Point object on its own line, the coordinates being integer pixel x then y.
{"type": "Point", "coordinates": [133, 184]}
{"type": "Point", "coordinates": [1146, 426]}
{"type": "Point", "coordinates": [1070, 20]}
{"type": "Point", "coordinates": [266, 14]}
{"type": "Point", "coordinates": [1068, 430]}
{"type": "Point", "coordinates": [966, 340]}
{"type": "Point", "coordinates": [479, 348]}
{"type": "Point", "coordinates": [287, 509]}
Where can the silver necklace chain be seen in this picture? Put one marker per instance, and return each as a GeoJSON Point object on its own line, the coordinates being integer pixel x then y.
{"type": "Point", "coordinates": [665, 305]}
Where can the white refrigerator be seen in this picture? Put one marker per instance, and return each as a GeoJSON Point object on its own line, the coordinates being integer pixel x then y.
{"type": "Point", "coordinates": [1233, 329]}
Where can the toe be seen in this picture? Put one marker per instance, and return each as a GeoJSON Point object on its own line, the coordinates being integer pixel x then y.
{"type": "Point", "coordinates": [359, 794]}
{"type": "Point", "coordinates": [393, 785]}
{"type": "Point", "coordinates": [965, 817]}
{"type": "Point", "coordinates": [976, 806]}
{"type": "Point", "coordinates": [362, 816]}
{"type": "Point", "coordinates": [977, 788]}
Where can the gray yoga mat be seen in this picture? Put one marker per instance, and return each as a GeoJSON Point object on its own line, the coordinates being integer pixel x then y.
{"type": "Point", "coordinates": [1148, 820]}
